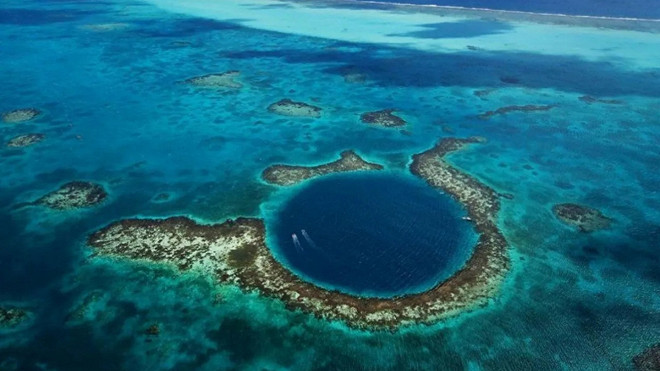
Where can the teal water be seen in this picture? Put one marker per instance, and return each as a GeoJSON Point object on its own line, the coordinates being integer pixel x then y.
{"type": "Point", "coordinates": [372, 235]}
{"type": "Point", "coordinates": [116, 113]}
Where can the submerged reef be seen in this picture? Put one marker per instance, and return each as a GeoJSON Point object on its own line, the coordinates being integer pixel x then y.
{"type": "Point", "coordinates": [84, 308]}
{"type": "Point", "coordinates": [25, 140]}
{"type": "Point", "coordinates": [507, 109]}
{"type": "Point", "coordinates": [161, 197]}
{"type": "Point", "coordinates": [583, 217]}
{"type": "Point", "coordinates": [483, 92]}
{"type": "Point", "coordinates": [216, 80]}
{"type": "Point", "coordinates": [74, 195]}
{"type": "Point", "coordinates": [105, 27]}
{"type": "Point", "coordinates": [235, 252]}
{"type": "Point", "coordinates": [355, 78]}
{"type": "Point", "coordinates": [589, 99]}
{"type": "Point", "coordinates": [383, 118]}
{"type": "Point", "coordinates": [11, 316]}
{"type": "Point", "coordinates": [20, 115]}
{"type": "Point", "coordinates": [286, 175]}
{"type": "Point", "coordinates": [649, 359]}
{"type": "Point", "coordinates": [287, 107]}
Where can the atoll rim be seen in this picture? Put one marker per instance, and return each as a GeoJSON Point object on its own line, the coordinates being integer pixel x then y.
{"type": "Point", "coordinates": [236, 251]}
{"type": "Point", "coordinates": [286, 175]}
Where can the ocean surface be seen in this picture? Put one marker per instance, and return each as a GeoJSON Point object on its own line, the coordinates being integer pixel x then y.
{"type": "Point", "coordinates": [107, 76]}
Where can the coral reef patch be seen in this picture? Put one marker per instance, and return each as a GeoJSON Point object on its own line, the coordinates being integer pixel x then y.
{"type": "Point", "coordinates": [11, 316]}
{"type": "Point", "coordinates": [286, 175]}
{"type": "Point", "coordinates": [216, 80]}
{"type": "Point", "coordinates": [105, 27]}
{"type": "Point", "coordinates": [287, 107]}
{"type": "Point", "coordinates": [586, 219]}
{"type": "Point", "coordinates": [384, 118]}
{"type": "Point", "coordinates": [74, 195]}
{"type": "Point", "coordinates": [20, 115]}
{"type": "Point", "coordinates": [25, 140]}
{"type": "Point", "coordinates": [589, 99]}
{"type": "Point", "coordinates": [507, 109]}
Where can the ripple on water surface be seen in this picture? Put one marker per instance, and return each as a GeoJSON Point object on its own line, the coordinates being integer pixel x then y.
{"type": "Point", "coordinates": [372, 235]}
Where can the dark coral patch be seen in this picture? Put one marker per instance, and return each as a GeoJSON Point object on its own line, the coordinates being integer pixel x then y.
{"type": "Point", "coordinates": [586, 219]}
{"type": "Point", "coordinates": [525, 108]}
{"type": "Point", "coordinates": [649, 359]}
{"type": "Point", "coordinates": [74, 195]}
{"type": "Point", "coordinates": [25, 140]}
{"type": "Point", "coordinates": [383, 118]}
{"type": "Point", "coordinates": [589, 99]}
{"type": "Point", "coordinates": [287, 107]}
{"type": "Point", "coordinates": [11, 316]}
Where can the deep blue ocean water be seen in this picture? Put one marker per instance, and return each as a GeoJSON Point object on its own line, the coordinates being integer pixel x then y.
{"type": "Point", "coordinates": [116, 113]}
{"type": "Point", "coordinates": [373, 235]}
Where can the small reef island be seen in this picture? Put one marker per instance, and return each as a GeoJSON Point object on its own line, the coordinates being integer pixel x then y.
{"type": "Point", "coordinates": [235, 251]}
{"type": "Point", "coordinates": [25, 140]}
{"type": "Point", "coordinates": [586, 219]}
{"type": "Point", "coordinates": [384, 118]}
{"type": "Point", "coordinates": [287, 107]}
{"type": "Point", "coordinates": [216, 80]}
{"type": "Point", "coordinates": [285, 175]}
{"type": "Point", "coordinates": [74, 195]}
{"type": "Point", "coordinates": [20, 115]}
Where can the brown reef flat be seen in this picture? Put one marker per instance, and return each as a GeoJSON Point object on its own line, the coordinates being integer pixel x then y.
{"type": "Point", "coordinates": [384, 118]}
{"type": "Point", "coordinates": [25, 140]}
{"type": "Point", "coordinates": [236, 252]}
{"type": "Point", "coordinates": [74, 195]}
{"type": "Point", "coordinates": [586, 219]}
{"type": "Point", "coordinates": [525, 108]}
{"type": "Point", "coordinates": [285, 175]}
{"type": "Point", "coordinates": [216, 80]}
{"type": "Point", "coordinates": [287, 107]}
{"type": "Point", "coordinates": [20, 115]}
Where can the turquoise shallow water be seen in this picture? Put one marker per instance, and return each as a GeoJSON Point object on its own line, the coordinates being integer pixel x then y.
{"type": "Point", "coordinates": [116, 113]}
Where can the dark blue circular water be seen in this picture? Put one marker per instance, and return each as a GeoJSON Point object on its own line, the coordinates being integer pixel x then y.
{"type": "Point", "coordinates": [372, 235]}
